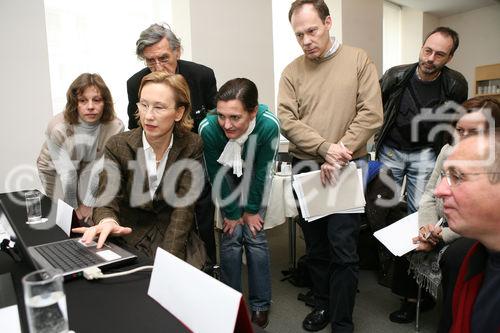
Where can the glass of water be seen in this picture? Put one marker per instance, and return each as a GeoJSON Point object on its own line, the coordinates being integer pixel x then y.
{"type": "Point", "coordinates": [33, 206]}
{"type": "Point", "coordinates": [45, 301]}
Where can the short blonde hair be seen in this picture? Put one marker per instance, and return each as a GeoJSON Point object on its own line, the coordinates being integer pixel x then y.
{"type": "Point", "coordinates": [182, 95]}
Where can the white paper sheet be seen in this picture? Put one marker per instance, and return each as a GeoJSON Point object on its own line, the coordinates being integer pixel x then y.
{"type": "Point", "coordinates": [9, 319]}
{"type": "Point", "coordinates": [202, 303]}
{"type": "Point", "coordinates": [398, 236]}
{"type": "Point", "coordinates": [64, 216]}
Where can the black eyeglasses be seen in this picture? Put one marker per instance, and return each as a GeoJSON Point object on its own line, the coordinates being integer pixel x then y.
{"type": "Point", "coordinates": [455, 178]}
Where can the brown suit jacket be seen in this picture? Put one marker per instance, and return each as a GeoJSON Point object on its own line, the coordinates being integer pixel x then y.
{"type": "Point", "coordinates": [159, 222]}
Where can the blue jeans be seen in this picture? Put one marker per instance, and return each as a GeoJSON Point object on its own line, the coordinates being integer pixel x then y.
{"type": "Point", "coordinates": [257, 254]}
{"type": "Point", "coordinates": [416, 165]}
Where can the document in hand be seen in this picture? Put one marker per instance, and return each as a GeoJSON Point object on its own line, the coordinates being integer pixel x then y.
{"type": "Point", "coordinates": [200, 302]}
{"type": "Point", "coordinates": [316, 200]}
{"type": "Point", "coordinates": [397, 237]}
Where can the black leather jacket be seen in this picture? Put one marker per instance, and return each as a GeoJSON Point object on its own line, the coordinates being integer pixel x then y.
{"type": "Point", "coordinates": [393, 82]}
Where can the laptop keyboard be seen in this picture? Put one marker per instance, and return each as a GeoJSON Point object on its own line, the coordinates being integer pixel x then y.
{"type": "Point", "coordinates": [68, 255]}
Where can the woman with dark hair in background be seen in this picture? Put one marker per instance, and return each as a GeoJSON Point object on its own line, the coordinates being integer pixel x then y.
{"type": "Point", "coordinates": [75, 139]}
{"type": "Point", "coordinates": [240, 146]}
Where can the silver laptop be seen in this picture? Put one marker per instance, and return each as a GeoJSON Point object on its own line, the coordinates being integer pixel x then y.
{"type": "Point", "coordinates": [50, 247]}
{"type": "Point", "coordinates": [72, 257]}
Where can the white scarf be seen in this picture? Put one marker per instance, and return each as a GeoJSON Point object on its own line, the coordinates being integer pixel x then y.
{"type": "Point", "coordinates": [231, 155]}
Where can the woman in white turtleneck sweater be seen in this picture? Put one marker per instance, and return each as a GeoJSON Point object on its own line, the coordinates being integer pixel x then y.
{"type": "Point", "coordinates": [75, 142]}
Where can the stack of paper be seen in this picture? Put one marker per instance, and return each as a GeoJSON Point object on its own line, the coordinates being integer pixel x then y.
{"type": "Point", "coordinates": [317, 200]}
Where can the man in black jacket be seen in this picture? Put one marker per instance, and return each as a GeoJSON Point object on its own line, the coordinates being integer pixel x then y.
{"type": "Point", "coordinates": [160, 49]}
{"type": "Point", "coordinates": [408, 91]}
{"type": "Point", "coordinates": [416, 99]}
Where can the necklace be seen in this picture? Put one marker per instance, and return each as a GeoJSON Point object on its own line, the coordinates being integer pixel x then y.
{"type": "Point", "coordinates": [420, 78]}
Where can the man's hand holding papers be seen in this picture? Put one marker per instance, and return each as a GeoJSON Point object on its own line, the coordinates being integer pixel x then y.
{"type": "Point", "coordinates": [329, 173]}
{"type": "Point", "coordinates": [317, 200]}
{"type": "Point", "coordinates": [338, 154]}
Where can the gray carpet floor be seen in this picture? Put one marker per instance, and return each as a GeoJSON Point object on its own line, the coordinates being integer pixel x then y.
{"type": "Point", "coordinates": [373, 302]}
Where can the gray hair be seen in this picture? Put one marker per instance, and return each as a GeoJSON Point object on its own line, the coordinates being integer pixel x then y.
{"type": "Point", "coordinates": [152, 35]}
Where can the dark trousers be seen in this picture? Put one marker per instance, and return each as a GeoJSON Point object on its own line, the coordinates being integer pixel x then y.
{"type": "Point", "coordinates": [450, 265]}
{"type": "Point", "coordinates": [204, 214]}
{"type": "Point", "coordinates": [332, 261]}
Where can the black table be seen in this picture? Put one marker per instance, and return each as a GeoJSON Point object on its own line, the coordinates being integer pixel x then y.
{"type": "Point", "coordinates": [119, 304]}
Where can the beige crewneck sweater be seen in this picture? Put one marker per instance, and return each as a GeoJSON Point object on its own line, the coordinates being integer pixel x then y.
{"type": "Point", "coordinates": [330, 100]}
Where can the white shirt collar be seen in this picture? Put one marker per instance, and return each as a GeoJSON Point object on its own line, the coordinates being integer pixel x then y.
{"type": "Point", "coordinates": [155, 171]}
{"type": "Point", "coordinates": [334, 48]}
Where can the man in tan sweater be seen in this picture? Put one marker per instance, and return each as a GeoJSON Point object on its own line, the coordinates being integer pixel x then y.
{"type": "Point", "coordinates": [329, 105]}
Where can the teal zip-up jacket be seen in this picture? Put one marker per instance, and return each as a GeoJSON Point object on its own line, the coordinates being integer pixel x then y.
{"type": "Point", "coordinates": [266, 135]}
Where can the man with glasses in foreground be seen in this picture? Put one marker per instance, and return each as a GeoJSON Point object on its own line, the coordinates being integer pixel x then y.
{"type": "Point", "coordinates": [439, 246]}
{"type": "Point", "coordinates": [160, 49]}
{"type": "Point", "coordinates": [470, 190]}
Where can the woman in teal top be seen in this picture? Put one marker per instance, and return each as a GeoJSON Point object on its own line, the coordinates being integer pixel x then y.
{"type": "Point", "coordinates": [240, 146]}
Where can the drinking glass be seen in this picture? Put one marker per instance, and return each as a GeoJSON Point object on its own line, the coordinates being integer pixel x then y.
{"type": "Point", "coordinates": [45, 301]}
{"type": "Point", "coordinates": [33, 206]}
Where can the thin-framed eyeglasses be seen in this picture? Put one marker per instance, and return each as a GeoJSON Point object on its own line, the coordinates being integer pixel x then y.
{"type": "Point", "coordinates": [455, 177]}
{"type": "Point", "coordinates": [157, 109]}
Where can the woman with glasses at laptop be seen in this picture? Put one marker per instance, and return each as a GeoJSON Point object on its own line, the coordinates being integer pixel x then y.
{"type": "Point", "coordinates": [153, 174]}
{"type": "Point", "coordinates": [75, 141]}
{"type": "Point", "coordinates": [439, 246]}
{"type": "Point", "coordinates": [240, 146]}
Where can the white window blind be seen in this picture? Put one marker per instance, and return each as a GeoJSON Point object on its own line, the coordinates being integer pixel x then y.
{"type": "Point", "coordinates": [391, 35]}
{"type": "Point", "coordinates": [97, 36]}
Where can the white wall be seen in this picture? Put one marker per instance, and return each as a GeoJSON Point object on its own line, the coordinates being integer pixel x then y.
{"type": "Point", "coordinates": [430, 22]}
{"type": "Point", "coordinates": [362, 27]}
{"type": "Point", "coordinates": [24, 92]}
{"type": "Point", "coordinates": [479, 32]}
{"type": "Point", "coordinates": [286, 48]}
{"type": "Point", "coordinates": [335, 7]}
{"type": "Point", "coordinates": [411, 34]}
{"type": "Point", "coordinates": [181, 25]}
{"type": "Point", "coordinates": [235, 39]}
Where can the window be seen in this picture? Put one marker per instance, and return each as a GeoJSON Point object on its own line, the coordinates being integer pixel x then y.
{"type": "Point", "coordinates": [98, 37]}
{"type": "Point", "coordinates": [391, 35]}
